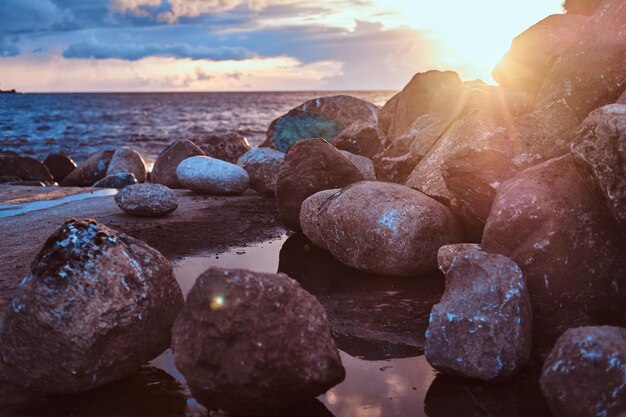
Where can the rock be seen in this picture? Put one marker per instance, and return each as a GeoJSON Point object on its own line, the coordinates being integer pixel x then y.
{"type": "Point", "coordinates": [96, 305]}
{"type": "Point", "coordinates": [91, 170]}
{"type": "Point", "coordinates": [447, 253]}
{"type": "Point", "coordinates": [127, 160]}
{"type": "Point", "coordinates": [601, 146]}
{"type": "Point", "coordinates": [380, 228]}
{"type": "Point", "coordinates": [59, 165]}
{"type": "Point", "coordinates": [118, 181]}
{"type": "Point", "coordinates": [229, 342]}
{"type": "Point", "coordinates": [25, 168]}
{"type": "Point", "coordinates": [229, 146]}
{"type": "Point", "coordinates": [212, 176]}
{"type": "Point", "coordinates": [585, 373]}
{"type": "Point", "coordinates": [584, 7]}
{"type": "Point", "coordinates": [164, 170]}
{"type": "Point", "coordinates": [363, 164]}
{"type": "Point", "coordinates": [482, 326]}
{"type": "Point", "coordinates": [310, 166]}
{"type": "Point", "coordinates": [262, 166]}
{"type": "Point", "coordinates": [535, 50]}
{"type": "Point", "coordinates": [147, 200]}
{"type": "Point", "coordinates": [360, 138]}
{"type": "Point", "coordinates": [9, 179]}
{"type": "Point", "coordinates": [323, 117]}
{"type": "Point", "coordinates": [549, 220]}
{"type": "Point", "coordinates": [622, 99]}
{"type": "Point", "coordinates": [413, 101]}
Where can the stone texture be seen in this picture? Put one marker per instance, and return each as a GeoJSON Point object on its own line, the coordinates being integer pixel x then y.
{"type": "Point", "coordinates": [96, 305]}
{"type": "Point", "coordinates": [363, 164]}
{"type": "Point", "coordinates": [549, 220]}
{"type": "Point", "coordinates": [310, 166]}
{"type": "Point", "coordinates": [164, 170]}
{"type": "Point", "coordinates": [24, 167]}
{"type": "Point", "coordinates": [249, 342]}
{"type": "Point", "coordinates": [118, 181]}
{"type": "Point", "coordinates": [91, 170]}
{"type": "Point", "coordinates": [583, 7]}
{"type": "Point", "coordinates": [360, 138]}
{"type": "Point", "coordinates": [447, 253]}
{"type": "Point", "coordinates": [262, 166]}
{"type": "Point", "coordinates": [59, 165]}
{"type": "Point", "coordinates": [585, 374]}
{"type": "Point", "coordinates": [228, 146]}
{"type": "Point", "coordinates": [128, 160]}
{"type": "Point", "coordinates": [323, 117]}
{"type": "Point", "coordinates": [212, 176]}
{"type": "Point", "coordinates": [380, 228]}
{"type": "Point", "coordinates": [482, 326]}
{"type": "Point", "coordinates": [147, 200]}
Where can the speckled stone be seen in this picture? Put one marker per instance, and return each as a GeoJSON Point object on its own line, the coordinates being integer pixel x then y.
{"type": "Point", "coordinates": [127, 160]}
{"type": "Point", "coordinates": [212, 176]}
{"type": "Point", "coordinates": [147, 200]}
{"type": "Point", "coordinates": [585, 374]}
{"type": "Point", "coordinates": [262, 166]}
{"type": "Point", "coordinates": [228, 146]}
{"type": "Point", "coordinates": [118, 181]}
{"type": "Point", "coordinates": [482, 326]}
{"type": "Point", "coordinates": [447, 253]}
{"type": "Point", "coordinates": [91, 170]}
{"type": "Point", "coordinates": [96, 305]}
{"type": "Point", "coordinates": [249, 342]}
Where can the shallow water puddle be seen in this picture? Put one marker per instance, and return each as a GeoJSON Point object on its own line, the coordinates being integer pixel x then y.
{"type": "Point", "coordinates": [10, 210]}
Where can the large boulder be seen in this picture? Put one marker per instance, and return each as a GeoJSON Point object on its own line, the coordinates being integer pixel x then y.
{"type": "Point", "coordinates": [229, 146]}
{"type": "Point", "coordinates": [381, 228]}
{"type": "Point", "coordinates": [147, 200]}
{"type": "Point", "coordinates": [164, 170]}
{"type": "Point", "coordinates": [59, 165]}
{"type": "Point", "coordinates": [585, 374]}
{"type": "Point", "coordinates": [25, 168]}
{"type": "Point", "coordinates": [96, 305]}
{"type": "Point", "coordinates": [447, 253]}
{"type": "Point", "coordinates": [204, 174]}
{"type": "Point", "coordinates": [89, 171]}
{"type": "Point", "coordinates": [262, 166]}
{"type": "Point", "coordinates": [482, 326]}
{"type": "Point", "coordinates": [310, 166]}
{"type": "Point", "coordinates": [127, 160]}
{"type": "Point", "coordinates": [323, 117]}
{"type": "Point", "coordinates": [249, 342]}
{"type": "Point", "coordinates": [360, 138]}
{"type": "Point", "coordinates": [549, 220]}
{"type": "Point", "coordinates": [601, 146]}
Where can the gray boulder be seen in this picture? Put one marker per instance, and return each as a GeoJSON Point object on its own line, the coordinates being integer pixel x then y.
{"type": "Point", "coordinates": [212, 176]}
{"type": "Point", "coordinates": [147, 200]}
{"type": "Point", "coordinates": [262, 166]}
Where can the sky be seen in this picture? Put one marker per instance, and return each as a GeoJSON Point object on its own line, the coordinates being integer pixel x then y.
{"type": "Point", "coordinates": [252, 45]}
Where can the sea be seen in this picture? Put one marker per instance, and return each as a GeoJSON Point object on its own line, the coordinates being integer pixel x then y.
{"type": "Point", "coordinates": [80, 124]}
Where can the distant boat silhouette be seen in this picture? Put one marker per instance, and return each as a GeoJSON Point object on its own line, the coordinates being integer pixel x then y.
{"type": "Point", "coordinates": [7, 91]}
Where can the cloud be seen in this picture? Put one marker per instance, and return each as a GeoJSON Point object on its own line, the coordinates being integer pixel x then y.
{"type": "Point", "coordinates": [95, 49]}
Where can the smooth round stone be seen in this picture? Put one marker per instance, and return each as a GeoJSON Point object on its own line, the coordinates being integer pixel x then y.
{"type": "Point", "coordinates": [59, 165]}
{"type": "Point", "coordinates": [212, 176]}
{"type": "Point", "coordinates": [147, 200]}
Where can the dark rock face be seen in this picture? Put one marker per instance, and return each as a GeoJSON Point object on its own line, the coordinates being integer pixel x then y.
{"type": "Point", "coordinates": [323, 117]}
{"type": "Point", "coordinates": [229, 146]}
{"type": "Point", "coordinates": [447, 253]}
{"type": "Point", "coordinates": [584, 7]}
{"type": "Point", "coordinates": [59, 165]}
{"type": "Point", "coordinates": [601, 146]}
{"type": "Point", "coordinates": [585, 374]}
{"type": "Point", "coordinates": [380, 228]}
{"type": "Point", "coordinates": [24, 167]}
{"type": "Point", "coordinates": [622, 99]}
{"type": "Point", "coordinates": [147, 200]}
{"type": "Point", "coordinates": [118, 181]}
{"type": "Point", "coordinates": [127, 160]}
{"type": "Point", "coordinates": [413, 101]}
{"type": "Point", "coordinates": [363, 164]}
{"type": "Point", "coordinates": [360, 138]}
{"type": "Point", "coordinates": [249, 342]}
{"type": "Point", "coordinates": [310, 166]}
{"type": "Point", "coordinates": [96, 306]}
{"type": "Point", "coordinates": [164, 170]}
{"type": "Point", "coordinates": [551, 223]}
{"type": "Point", "coordinates": [482, 326]}
{"type": "Point", "coordinates": [263, 166]}
{"type": "Point", "coordinates": [91, 170]}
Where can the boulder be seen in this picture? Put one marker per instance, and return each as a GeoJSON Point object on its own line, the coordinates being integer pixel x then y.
{"type": "Point", "coordinates": [584, 7]}
{"type": "Point", "coordinates": [25, 168]}
{"type": "Point", "coordinates": [229, 146]}
{"type": "Point", "coordinates": [447, 253]}
{"type": "Point", "coordinates": [249, 342]}
{"type": "Point", "coordinates": [147, 200]}
{"type": "Point", "coordinates": [262, 166]}
{"type": "Point", "coordinates": [127, 160]}
{"type": "Point", "coordinates": [360, 138]}
{"type": "Point", "coordinates": [164, 170]}
{"type": "Point", "coordinates": [96, 305]}
{"type": "Point", "coordinates": [381, 228]}
{"type": "Point", "coordinates": [212, 176]}
{"type": "Point", "coordinates": [363, 164]}
{"type": "Point", "coordinates": [601, 146]}
{"type": "Point", "coordinates": [118, 181]}
{"type": "Point", "coordinates": [91, 170]}
{"type": "Point", "coordinates": [59, 165]}
{"type": "Point", "coordinates": [482, 326]}
{"type": "Point", "coordinates": [323, 117]}
{"type": "Point", "coordinates": [310, 166]}
{"type": "Point", "coordinates": [585, 374]}
{"type": "Point", "coordinates": [549, 220]}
